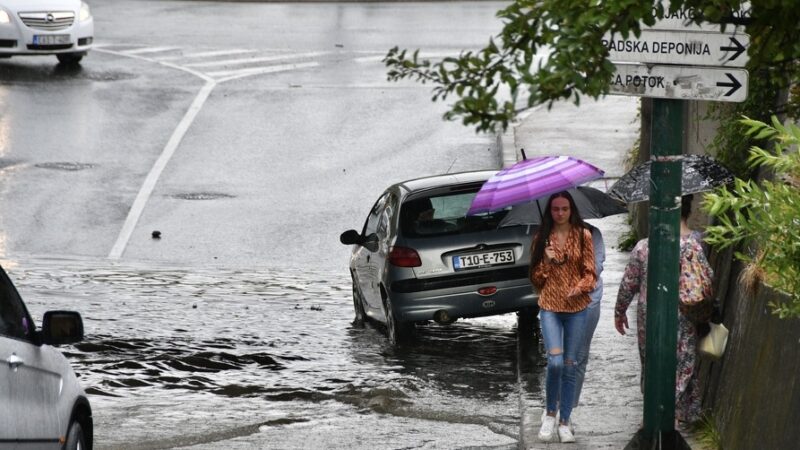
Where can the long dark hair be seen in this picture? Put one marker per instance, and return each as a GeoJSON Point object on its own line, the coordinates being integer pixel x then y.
{"type": "Point", "coordinates": [547, 226]}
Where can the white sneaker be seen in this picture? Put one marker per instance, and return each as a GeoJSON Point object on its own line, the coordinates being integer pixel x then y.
{"type": "Point", "coordinates": [548, 429]}
{"type": "Point", "coordinates": [565, 433]}
{"type": "Point", "coordinates": [544, 414]}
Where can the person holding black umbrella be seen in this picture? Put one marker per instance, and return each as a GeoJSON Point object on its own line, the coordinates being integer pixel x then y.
{"type": "Point", "coordinates": [563, 272]}
{"type": "Point", "coordinates": [634, 282]}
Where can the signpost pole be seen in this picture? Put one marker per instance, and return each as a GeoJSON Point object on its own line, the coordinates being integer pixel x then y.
{"type": "Point", "coordinates": [662, 279]}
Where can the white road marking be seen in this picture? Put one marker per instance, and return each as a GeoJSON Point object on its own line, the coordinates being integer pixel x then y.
{"type": "Point", "coordinates": [256, 60]}
{"type": "Point", "coordinates": [207, 54]}
{"type": "Point", "coordinates": [155, 172]}
{"type": "Point", "coordinates": [140, 51]}
{"type": "Point", "coordinates": [228, 75]}
{"type": "Point", "coordinates": [151, 180]}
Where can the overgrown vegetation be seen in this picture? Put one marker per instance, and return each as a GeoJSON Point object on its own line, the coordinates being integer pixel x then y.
{"type": "Point", "coordinates": [765, 217]}
{"type": "Point", "coordinates": [706, 431]}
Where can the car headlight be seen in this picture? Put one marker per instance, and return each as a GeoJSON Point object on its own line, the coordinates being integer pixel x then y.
{"type": "Point", "coordinates": [85, 12]}
{"type": "Point", "coordinates": [4, 17]}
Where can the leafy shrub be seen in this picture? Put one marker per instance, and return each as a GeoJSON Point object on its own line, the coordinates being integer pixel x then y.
{"type": "Point", "coordinates": [765, 216]}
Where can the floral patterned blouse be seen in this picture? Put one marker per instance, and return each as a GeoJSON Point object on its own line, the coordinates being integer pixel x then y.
{"type": "Point", "coordinates": [634, 282]}
{"type": "Point", "coordinates": [554, 281]}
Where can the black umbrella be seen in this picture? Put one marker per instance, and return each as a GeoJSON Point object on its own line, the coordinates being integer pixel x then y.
{"type": "Point", "coordinates": [592, 204]}
{"type": "Point", "coordinates": [700, 173]}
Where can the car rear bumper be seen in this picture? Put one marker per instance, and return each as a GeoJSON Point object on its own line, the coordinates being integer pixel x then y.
{"type": "Point", "coordinates": [464, 302]}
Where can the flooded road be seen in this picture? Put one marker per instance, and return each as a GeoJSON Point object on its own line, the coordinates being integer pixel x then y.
{"type": "Point", "coordinates": [268, 359]}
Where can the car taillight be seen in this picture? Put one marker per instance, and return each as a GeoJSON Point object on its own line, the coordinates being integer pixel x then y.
{"type": "Point", "coordinates": [487, 290]}
{"type": "Point", "coordinates": [404, 257]}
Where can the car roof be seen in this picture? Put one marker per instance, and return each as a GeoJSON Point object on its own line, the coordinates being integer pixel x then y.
{"type": "Point", "coordinates": [424, 183]}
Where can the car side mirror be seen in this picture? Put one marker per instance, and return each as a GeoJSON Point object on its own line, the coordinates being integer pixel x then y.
{"type": "Point", "coordinates": [371, 242]}
{"type": "Point", "coordinates": [350, 237]}
{"type": "Point", "coordinates": [61, 327]}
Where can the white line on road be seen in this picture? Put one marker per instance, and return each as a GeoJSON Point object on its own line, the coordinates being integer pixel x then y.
{"type": "Point", "coordinates": [256, 60]}
{"type": "Point", "coordinates": [208, 54]}
{"type": "Point", "coordinates": [140, 51]}
{"type": "Point", "coordinates": [155, 172]}
{"type": "Point", "coordinates": [177, 136]}
{"type": "Point", "coordinates": [233, 74]}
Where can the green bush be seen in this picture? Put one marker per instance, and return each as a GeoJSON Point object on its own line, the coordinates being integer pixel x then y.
{"type": "Point", "coordinates": [765, 215]}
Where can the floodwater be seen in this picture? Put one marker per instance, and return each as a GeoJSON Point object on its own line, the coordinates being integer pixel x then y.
{"type": "Point", "coordinates": [268, 358]}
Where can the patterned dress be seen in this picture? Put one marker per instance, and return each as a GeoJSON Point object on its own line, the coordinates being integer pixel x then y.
{"type": "Point", "coordinates": [634, 281]}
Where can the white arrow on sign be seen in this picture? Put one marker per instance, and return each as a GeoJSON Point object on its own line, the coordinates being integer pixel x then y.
{"type": "Point", "coordinates": [700, 48]}
{"type": "Point", "coordinates": [680, 82]}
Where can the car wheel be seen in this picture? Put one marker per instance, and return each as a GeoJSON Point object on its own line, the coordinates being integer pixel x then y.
{"type": "Point", "coordinates": [358, 307]}
{"type": "Point", "coordinates": [69, 58]}
{"type": "Point", "coordinates": [75, 438]}
{"type": "Point", "coordinates": [398, 332]}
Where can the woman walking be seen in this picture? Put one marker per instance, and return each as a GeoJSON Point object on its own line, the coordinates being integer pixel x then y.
{"type": "Point", "coordinates": [634, 282]}
{"type": "Point", "coordinates": [563, 271]}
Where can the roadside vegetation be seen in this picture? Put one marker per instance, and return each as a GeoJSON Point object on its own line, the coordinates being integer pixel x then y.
{"type": "Point", "coordinates": [763, 219]}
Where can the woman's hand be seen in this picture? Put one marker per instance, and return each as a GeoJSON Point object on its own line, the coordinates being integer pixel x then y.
{"type": "Point", "coordinates": [621, 324]}
{"type": "Point", "coordinates": [574, 292]}
{"type": "Point", "coordinates": [549, 253]}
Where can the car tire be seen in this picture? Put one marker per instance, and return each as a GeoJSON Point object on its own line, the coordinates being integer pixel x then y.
{"type": "Point", "coordinates": [399, 333]}
{"type": "Point", "coordinates": [69, 58]}
{"type": "Point", "coordinates": [75, 438]}
{"type": "Point", "coordinates": [358, 307]}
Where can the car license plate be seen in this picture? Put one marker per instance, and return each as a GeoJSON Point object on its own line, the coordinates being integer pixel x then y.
{"type": "Point", "coordinates": [476, 260]}
{"type": "Point", "coordinates": [51, 39]}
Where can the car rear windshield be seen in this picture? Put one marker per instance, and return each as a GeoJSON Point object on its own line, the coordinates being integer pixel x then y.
{"type": "Point", "coordinates": [444, 214]}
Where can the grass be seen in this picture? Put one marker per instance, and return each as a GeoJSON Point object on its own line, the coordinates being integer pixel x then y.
{"type": "Point", "coordinates": [707, 433]}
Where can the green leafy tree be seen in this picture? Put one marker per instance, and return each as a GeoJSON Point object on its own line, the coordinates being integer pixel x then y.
{"type": "Point", "coordinates": [493, 84]}
{"type": "Point", "coordinates": [766, 215]}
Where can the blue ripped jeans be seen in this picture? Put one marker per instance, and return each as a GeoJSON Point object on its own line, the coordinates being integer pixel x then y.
{"type": "Point", "coordinates": [563, 338]}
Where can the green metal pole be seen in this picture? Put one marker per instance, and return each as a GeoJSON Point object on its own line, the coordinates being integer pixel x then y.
{"type": "Point", "coordinates": [663, 268]}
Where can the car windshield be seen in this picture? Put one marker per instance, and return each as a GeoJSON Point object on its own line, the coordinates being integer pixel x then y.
{"type": "Point", "coordinates": [443, 214]}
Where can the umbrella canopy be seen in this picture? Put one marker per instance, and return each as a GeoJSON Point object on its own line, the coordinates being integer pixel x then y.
{"type": "Point", "coordinates": [530, 179]}
{"type": "Point", "coordinates": [592, 204]}
{"type": "Point", "coordinates": [700, 173]}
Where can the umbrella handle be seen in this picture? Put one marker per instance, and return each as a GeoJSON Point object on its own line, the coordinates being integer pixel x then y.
{"type": "Point", "coordinates": [522, 150]}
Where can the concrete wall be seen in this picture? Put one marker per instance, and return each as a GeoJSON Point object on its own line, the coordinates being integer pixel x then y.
{"type": "Point", "coordinates": [754, 391]}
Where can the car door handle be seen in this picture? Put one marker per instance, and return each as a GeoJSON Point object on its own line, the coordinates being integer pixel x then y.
{"type": "Point", "coordinates": [14, 361]}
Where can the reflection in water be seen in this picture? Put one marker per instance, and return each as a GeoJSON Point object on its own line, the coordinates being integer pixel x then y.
{"type": "Point", "coordinates": [220, 340]}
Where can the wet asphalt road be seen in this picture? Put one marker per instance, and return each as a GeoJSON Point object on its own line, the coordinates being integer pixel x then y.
{"type": "Point", "coordinates": [269, 359]}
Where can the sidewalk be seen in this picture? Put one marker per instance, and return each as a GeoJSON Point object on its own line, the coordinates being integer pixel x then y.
{"type": "Point", "coordinates": [601, 133]}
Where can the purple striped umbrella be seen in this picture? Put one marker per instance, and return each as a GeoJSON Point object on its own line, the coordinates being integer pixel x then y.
{"type": "Point", "coordinates": [531, 179]}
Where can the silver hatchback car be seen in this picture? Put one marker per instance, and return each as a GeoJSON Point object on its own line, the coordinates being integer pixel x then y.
{"type": "Point", "coordinates": [42, 405]}
{"type": "Point", "coordinates": [419, 257]}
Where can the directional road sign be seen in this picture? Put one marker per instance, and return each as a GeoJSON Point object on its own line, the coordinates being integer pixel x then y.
{"type": "Point", "coordinates": [702, 48]}
{"type": "Point", "coordinates": [683, 19]}
{"type": "Point", "coordinates": [680, 82]}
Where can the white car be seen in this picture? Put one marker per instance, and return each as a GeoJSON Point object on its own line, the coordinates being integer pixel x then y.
{"type": "Point", "coordinates": [42, 405]}
{"type": "Point", "coordinates": [64, 28]}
